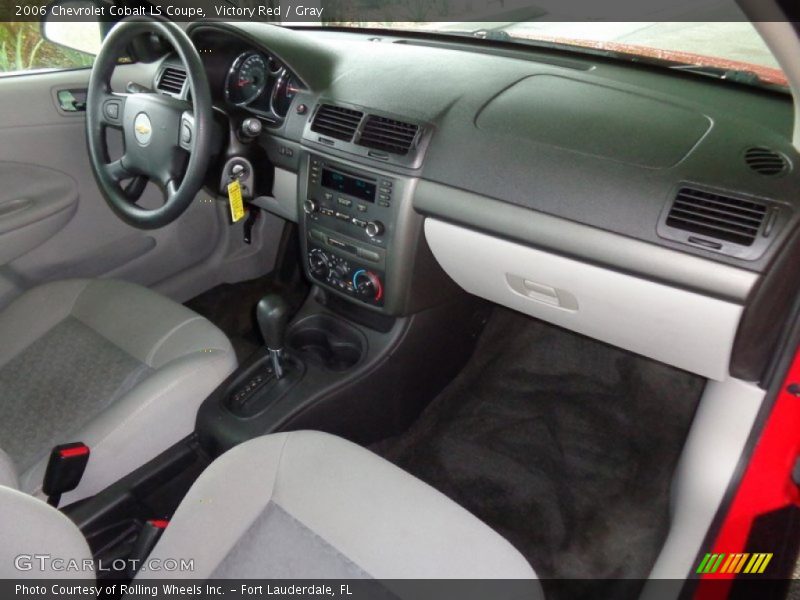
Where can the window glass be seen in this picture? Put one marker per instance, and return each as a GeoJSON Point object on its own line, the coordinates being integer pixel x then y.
{"type": "Point", "coordinates": [22, 48]}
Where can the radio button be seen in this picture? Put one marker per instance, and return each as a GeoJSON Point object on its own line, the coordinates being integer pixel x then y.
{"type": "Point", "coordinates": [342, 216]}
{"type": "Point", "coordinates": [328, 196]}
{"type": "Point", "coordinates": [344, 202]}
{"type": "Point", "coordinates": [362, 208]}
{"type": "Point", "coordinates": [384, 203]}
{"type": "Point", "coordinates": [359, 222]}
{"type": "Point", "coordinates": [327, 212]}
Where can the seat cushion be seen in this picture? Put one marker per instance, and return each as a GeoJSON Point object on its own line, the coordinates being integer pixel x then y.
{"type": "Point", "coordinates": [309, 505]}
{"type": "Point", "coordinates": [108, 363]}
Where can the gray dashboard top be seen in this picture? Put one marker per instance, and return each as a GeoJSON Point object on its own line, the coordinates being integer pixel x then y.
{"type": "Point", "coordinates": [588, 140]}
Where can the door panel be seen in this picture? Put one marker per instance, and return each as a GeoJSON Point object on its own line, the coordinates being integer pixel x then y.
{"type": "Point", "coordinates": [45, 178]}
{"type": "Point", "coordinates": [35, 203]}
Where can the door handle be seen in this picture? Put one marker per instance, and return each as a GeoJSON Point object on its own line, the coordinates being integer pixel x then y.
{"type": "Point", "coordinates": [72, 101]}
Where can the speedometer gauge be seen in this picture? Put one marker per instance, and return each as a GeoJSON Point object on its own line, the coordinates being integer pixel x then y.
{"type": "Point", "coordinates": [247, 79]}
{"type": "Point", "coordinates": [283, 93]}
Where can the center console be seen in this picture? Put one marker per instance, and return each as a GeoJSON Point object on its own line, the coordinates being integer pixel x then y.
{"type": "Point", "coordinates": [382, 331]}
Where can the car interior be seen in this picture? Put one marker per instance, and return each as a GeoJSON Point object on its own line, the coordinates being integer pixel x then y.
{"type": "Point", "coordinates": [490, 311]}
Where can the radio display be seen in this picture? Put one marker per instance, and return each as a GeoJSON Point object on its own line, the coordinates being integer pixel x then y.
{"type": "Point", "coordinates": [352, 186]}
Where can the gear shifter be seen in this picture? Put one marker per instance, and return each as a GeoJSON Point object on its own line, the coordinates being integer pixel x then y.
{"type": "Point", "coordinates": [272, 313]}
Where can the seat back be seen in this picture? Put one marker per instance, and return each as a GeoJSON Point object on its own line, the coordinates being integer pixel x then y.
{"type": "Point", "coordinates": [39, 542]}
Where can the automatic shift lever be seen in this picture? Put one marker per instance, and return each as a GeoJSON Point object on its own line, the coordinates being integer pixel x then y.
{"type": "Point", "coordinates": [272, 313]}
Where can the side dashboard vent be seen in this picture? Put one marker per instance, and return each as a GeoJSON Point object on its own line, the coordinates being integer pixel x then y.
{"type": "Point", "coordinates": [171, 81]}
{"type": "Point", "coordinates": [716, 216]}
{"type": "Point", "coordinates": [766, 161]}
{"type": "Point", "coordinates": [336, 121]}
{"type": "Point", "coordinates": [388, 135]}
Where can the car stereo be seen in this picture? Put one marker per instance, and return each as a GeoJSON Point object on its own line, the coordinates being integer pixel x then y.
{"type": "Point", "coordinates": [349, 223]}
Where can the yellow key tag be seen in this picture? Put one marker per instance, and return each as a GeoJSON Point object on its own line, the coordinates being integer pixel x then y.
{"type": "Point", "coordinates": [235, 200]}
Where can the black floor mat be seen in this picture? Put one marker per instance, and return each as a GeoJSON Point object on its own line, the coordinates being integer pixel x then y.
{"type": "Point", "coordinates": [231, 307]}
{"type": "Point", "coordinates": [564, 445]}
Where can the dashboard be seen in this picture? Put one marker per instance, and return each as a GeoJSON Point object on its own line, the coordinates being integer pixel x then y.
{"type": "Point", "coordinates": [646, 208]}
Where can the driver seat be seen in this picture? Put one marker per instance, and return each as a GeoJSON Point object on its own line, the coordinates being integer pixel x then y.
{"type": "Point", "coordinates": [108, 363]}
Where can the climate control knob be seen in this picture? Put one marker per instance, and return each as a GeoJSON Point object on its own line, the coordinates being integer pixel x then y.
{"type": "Point", "coordinates": [367, 285]}
{"type": "Point", "coordinates": [309, 206]}
{"type": "Point", "coordinates": [374, 228]}
{"type": "Point", "coordinates": [319, 264]}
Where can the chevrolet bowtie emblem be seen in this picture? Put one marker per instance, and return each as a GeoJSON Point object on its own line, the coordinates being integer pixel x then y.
{"type": "Point", "coordinates": [142, 129]}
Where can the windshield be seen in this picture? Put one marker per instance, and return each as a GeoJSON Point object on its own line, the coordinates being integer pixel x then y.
{"type": "Point", "coordinates": [708, 37]}
{"type": "Point", "coordinates": [732, 46]}
{"type": "Point", "coordinates": [723, 46]}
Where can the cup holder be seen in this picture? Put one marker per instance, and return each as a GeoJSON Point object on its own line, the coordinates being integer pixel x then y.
{"type": "Point", "coordinates": [326, 341]}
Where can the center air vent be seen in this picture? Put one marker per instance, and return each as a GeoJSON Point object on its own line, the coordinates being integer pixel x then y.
{"type": "Point", "coordinates": [389, 135]}
{"type": "Point", "coordinates": [766, 161]}
{"type": "Point", "coordinates": [336, 121]}
{"type": "Point", "coordinates": [171, 81]}
{"type": "Point", "coordinates": [716, 216]}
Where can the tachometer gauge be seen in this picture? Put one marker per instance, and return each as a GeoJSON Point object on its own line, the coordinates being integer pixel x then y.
{"type": "Point", "coordinates": [283, 93]}
{"type": "Point", "coordinates": [247, 79]}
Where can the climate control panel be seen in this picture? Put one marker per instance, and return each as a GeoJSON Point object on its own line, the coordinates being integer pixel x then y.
{"type": "Point", "coordinates": [346, 275]}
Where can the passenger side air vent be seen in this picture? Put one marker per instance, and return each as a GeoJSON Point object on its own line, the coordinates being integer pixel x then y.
{"type": "Point", "coordinates": [766, 161]}
{"type": "Point", "coordinates": [389, 135]}
{"type": "Point", "coordinates": [716, 216]}
{"type": "Point", "coordinates": [336, 121]}
{"type": "Point", "coordinates": [171, 81]}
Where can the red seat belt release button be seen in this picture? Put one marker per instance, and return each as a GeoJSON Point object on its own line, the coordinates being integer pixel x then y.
{"type": "Point", "coordinates": [64, 470]}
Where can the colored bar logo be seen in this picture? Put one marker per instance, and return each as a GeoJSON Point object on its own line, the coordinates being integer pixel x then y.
{"type": "Point", "coordinates": [752, 563]}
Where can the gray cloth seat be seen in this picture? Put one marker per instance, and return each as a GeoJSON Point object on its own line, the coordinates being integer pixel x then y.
{"type": "Point", "coordinates": [311, 505]}
{"type": "Point", "coordinates": [112, 364]}
{"type": "Point", "coordinates": [293, 506]}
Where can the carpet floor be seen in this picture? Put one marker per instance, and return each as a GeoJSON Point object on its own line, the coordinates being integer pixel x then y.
{"type": "Point", "coordinates": [564, 445]}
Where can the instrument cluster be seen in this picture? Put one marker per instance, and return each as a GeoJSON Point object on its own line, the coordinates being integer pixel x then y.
{"type": "Point", "coordinates": [261, 84]}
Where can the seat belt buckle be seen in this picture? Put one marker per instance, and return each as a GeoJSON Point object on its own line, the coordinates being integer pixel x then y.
{"type": "Point", "coordinates": [148, 536]}
{"type": "Point", "coordinates": [64, 470]}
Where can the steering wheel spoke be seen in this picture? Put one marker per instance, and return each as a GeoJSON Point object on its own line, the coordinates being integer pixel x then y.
{"type": "Point", "coordinates": [117, 171]}
{"type": "Point", "coordinates": [112, 109]}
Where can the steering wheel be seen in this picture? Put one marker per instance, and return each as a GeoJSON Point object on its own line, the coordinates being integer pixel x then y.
{"type": "Point", "coordinates": [159, 131]}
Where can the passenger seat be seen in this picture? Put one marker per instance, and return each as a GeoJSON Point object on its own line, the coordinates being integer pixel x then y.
{"type": "Point", "coordinates": [294, 506]}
